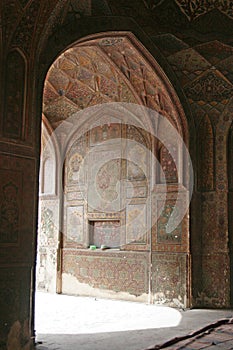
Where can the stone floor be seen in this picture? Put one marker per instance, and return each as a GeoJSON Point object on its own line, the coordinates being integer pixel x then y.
{"type": "Point", "coordinates": [73, 323]}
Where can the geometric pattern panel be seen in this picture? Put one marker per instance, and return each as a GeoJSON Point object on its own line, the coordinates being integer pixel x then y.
{"type": "Point", "coordinates": [170, 230]}
{"type": "Point", "coordinates": [170, 279]}
{"type": "Point", "coordinates": [188, 64]}
{"type": "Point", "coordinates": [215, 51]}
{"type": "Point", "coordinates": [211, 86]}
{"type": "Point", "coordinates": [214, 274]}
{"type": "Point", "coordinates": [205, 157]}
{"type": "Point", "coordinates": [195, 9]}
{"type": "Point", "coordinates": [119, 272]}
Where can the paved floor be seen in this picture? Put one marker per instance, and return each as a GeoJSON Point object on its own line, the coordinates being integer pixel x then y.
{"type": "Point", "coordinates": [212, 338]}
{"type": "Point", "coordinates": [73, 323]}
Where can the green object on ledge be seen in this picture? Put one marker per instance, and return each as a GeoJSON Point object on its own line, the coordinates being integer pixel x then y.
{"type": "Point", "coordinates": [92, 247]}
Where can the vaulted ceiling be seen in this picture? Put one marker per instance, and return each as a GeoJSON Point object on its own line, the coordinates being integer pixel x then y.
{"type": "Point", "coordinates": [105, 69]}
{"type": "Point", "coordinates": [194, 37]}
{"type": "Point", "coordinates": [80, 78]}
{"type": "Point", "coordinates": [28, 22]}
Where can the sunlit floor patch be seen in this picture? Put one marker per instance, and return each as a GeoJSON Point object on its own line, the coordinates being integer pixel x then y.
{"type": "Point", "coordinates": [62, 314]}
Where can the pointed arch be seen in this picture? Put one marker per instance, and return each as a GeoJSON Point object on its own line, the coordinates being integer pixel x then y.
{"type": "Point", "coordinates": [86, 80]}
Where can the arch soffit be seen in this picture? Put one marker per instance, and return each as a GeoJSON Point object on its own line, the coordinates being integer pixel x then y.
{"type": "Point", "coordinates": [158, 92]}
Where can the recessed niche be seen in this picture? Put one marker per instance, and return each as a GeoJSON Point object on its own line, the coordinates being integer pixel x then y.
{"type": "Point", "coordinates": [105, 233]}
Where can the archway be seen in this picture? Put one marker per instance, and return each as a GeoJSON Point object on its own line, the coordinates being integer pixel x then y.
{"type": "Point", "coordinates": [96, 71]}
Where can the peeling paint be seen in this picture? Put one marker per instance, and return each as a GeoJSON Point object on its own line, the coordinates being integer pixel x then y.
{"type": "Point", "coordinates": [71, 286]}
